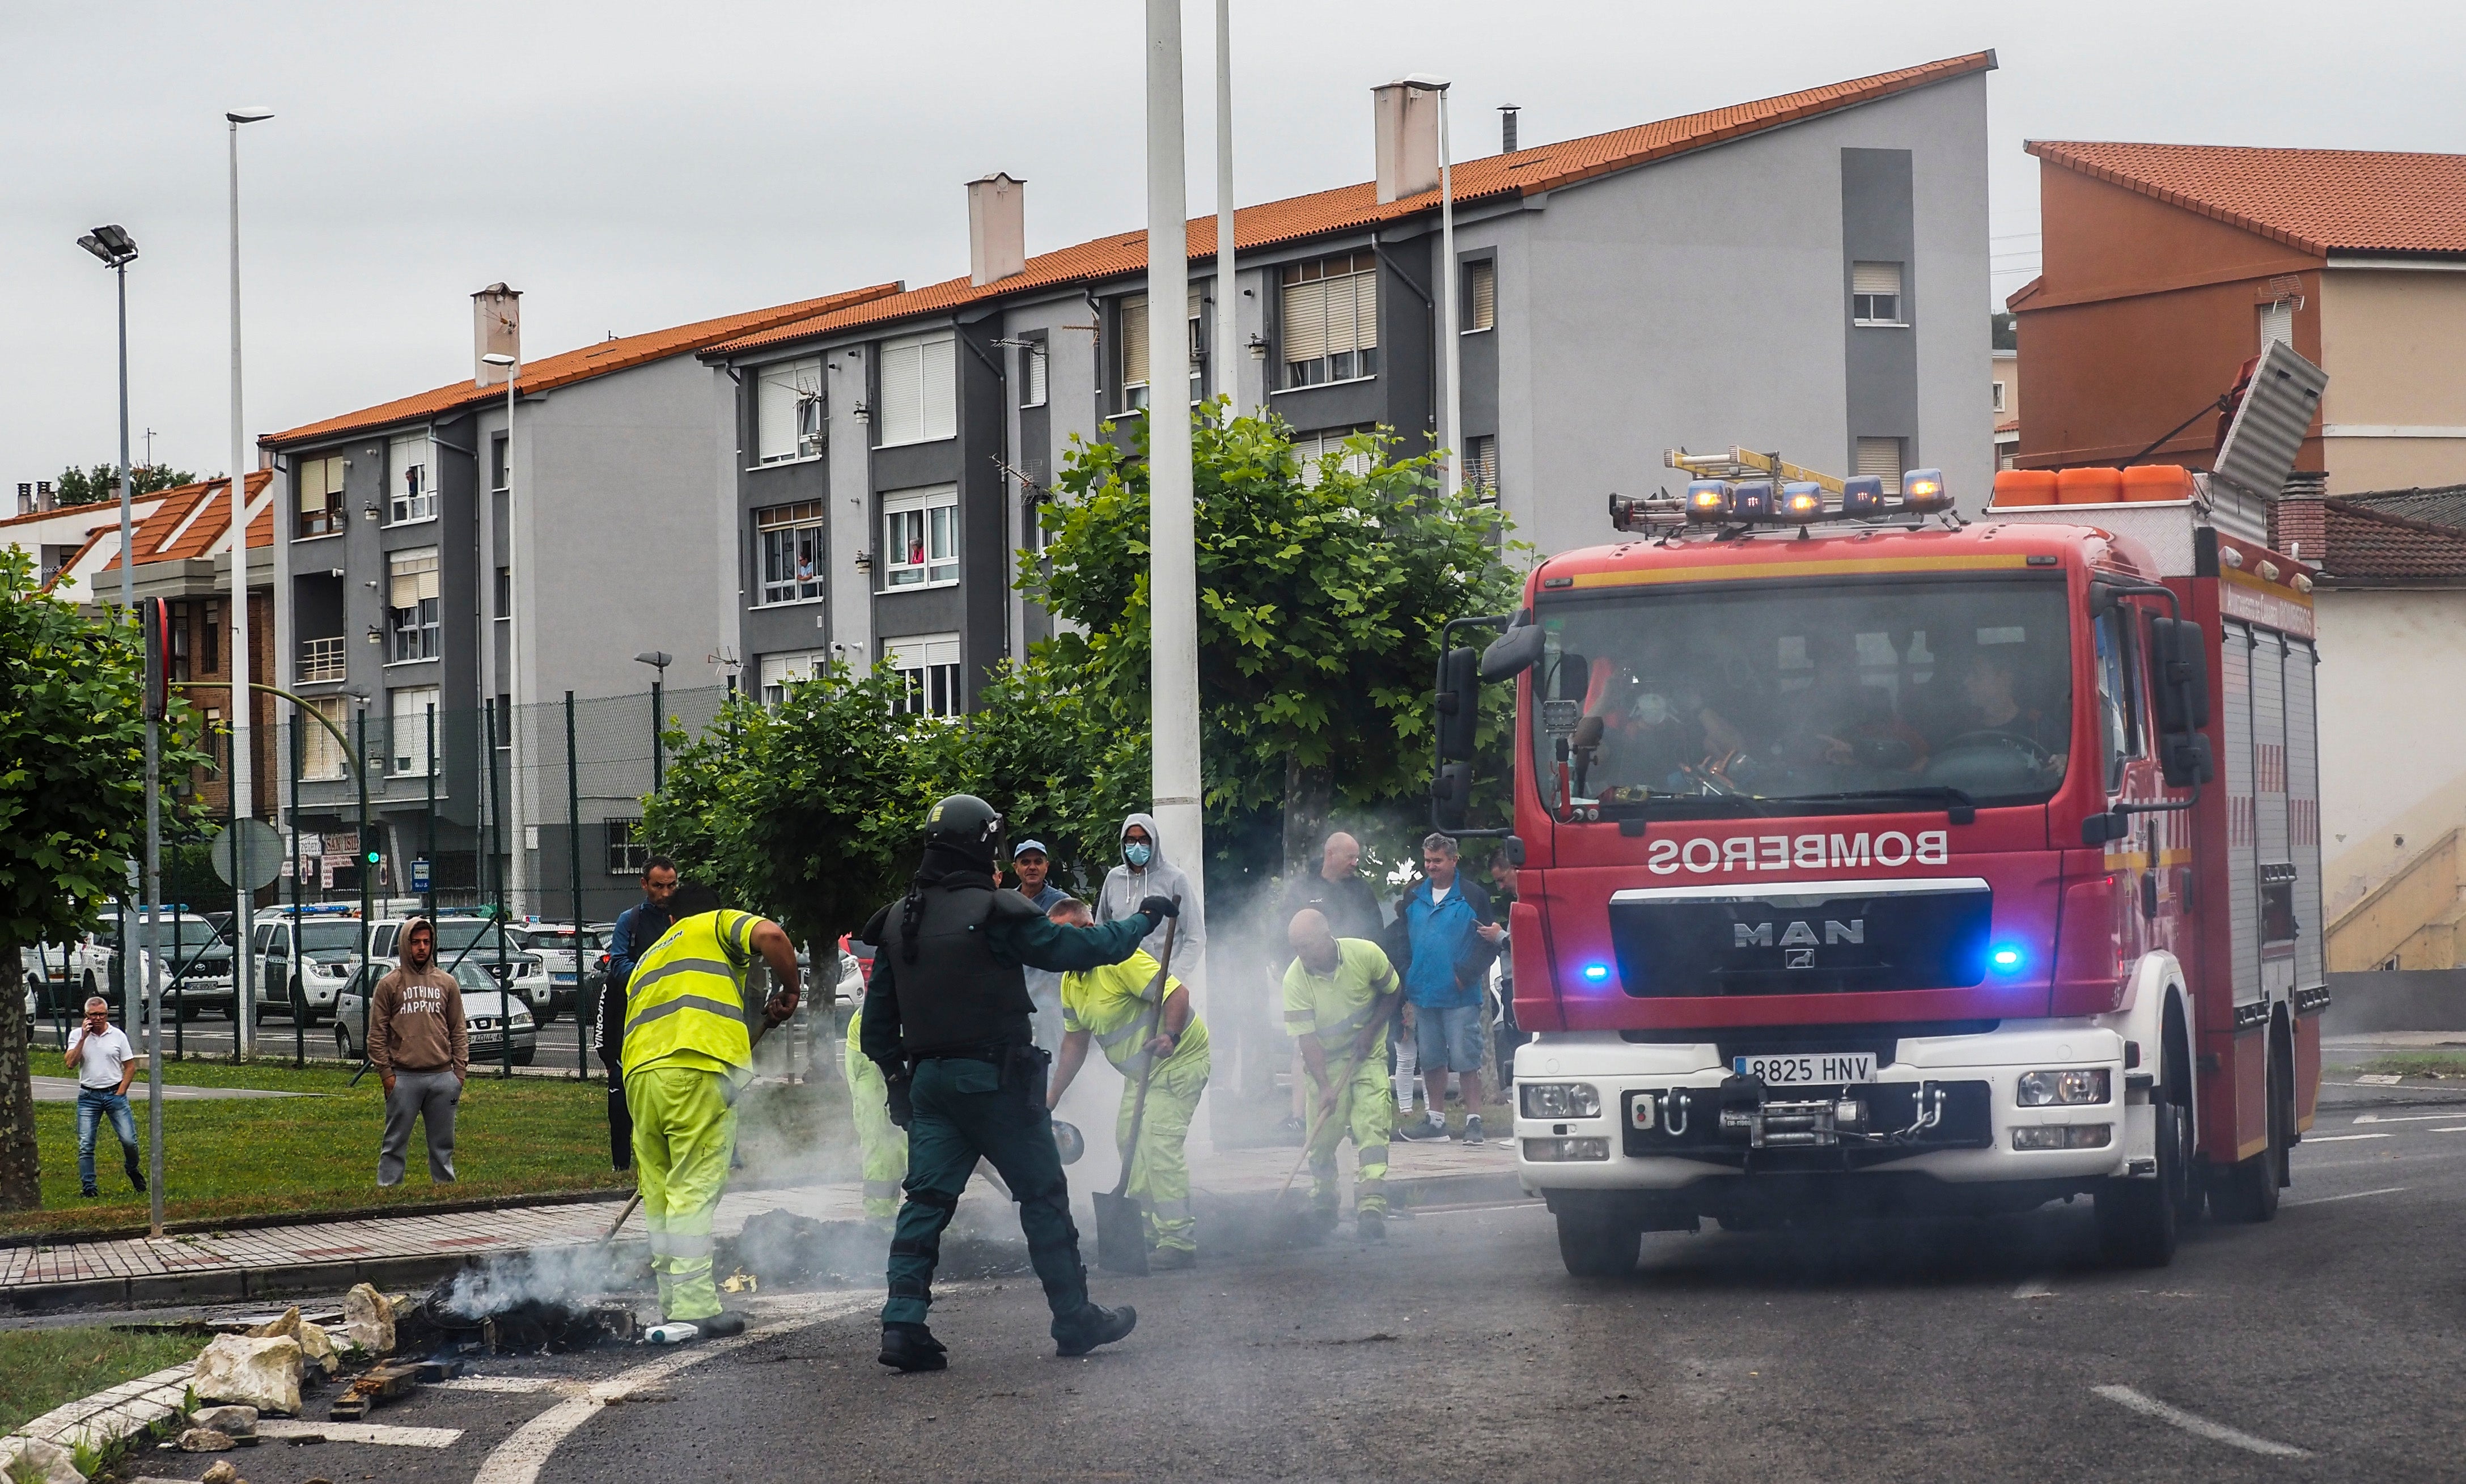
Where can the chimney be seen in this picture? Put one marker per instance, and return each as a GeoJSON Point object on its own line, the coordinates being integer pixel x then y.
{"type": "Point", "coordinates": [2298, 521]}
{"type": "Point", "coordinates": [1407, 119]}
{"type": "Point", "coordinates": [496, 329]}
{"type": "Point", "coordinates": [1507, 113]}
{"type": "Point", "coordinates": [996, 229]}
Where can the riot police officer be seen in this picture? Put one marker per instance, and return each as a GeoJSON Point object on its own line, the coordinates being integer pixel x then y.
{"type": "Point", "coordinates": [948, 1019]}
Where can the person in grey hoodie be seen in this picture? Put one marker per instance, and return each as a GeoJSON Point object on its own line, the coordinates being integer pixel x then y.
{"type": "Point", "coordinates": [1145, 873]}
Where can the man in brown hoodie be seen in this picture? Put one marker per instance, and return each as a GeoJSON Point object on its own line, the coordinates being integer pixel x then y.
{"type": "Point", "coordinates": [421, 1049]}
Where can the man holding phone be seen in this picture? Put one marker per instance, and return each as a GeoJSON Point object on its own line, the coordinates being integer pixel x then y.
{"type": "Point", "coordinates": [104, 1063]}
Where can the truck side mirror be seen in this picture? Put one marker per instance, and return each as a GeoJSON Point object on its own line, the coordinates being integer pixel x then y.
{"type": "Point", "coordinates": [1452, 796]}
{"type": "Point", "coordinates": [1513, 652]}
{"type": "Point", "coordinates": [1458, 703]}
{"type": "Point", "coordinates": [2180, 652]}
{"type": "Point", "coordinates": [2183, 759]}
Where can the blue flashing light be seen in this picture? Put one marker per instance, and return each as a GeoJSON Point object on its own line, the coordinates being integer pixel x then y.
{"type": "Point", "coordinates": [1596, 973]}
{"type": "Point", "coordinates": [2007, 958]}
{"type": "Point", "coordinates": [1862, 498]}
{"type": "Point", "coordinates": [1752, 500]}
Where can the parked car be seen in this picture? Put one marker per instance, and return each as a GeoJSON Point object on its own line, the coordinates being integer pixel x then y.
{"type": "Point", "coordinates": [196, 961]}
{"type": "Point", "coordinates": [554, 944]}
{"type": "Point", "coordinates": [476, 940]}
{"type": "Point", "coordinates": [325, 947]}
{"type": "Point", "coordinates": [485, 1013]}
{"type": "Point", "coordinates": [64, 977]}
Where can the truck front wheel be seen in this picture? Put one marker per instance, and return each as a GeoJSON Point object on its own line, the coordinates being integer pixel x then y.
{"type": "Point", "coordinates": [2137, 1219]}
{"type": "Point", "coordinates": [1596, 1244]}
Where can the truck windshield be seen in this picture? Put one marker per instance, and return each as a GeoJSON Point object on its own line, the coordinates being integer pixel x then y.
{"type": "Point", "coordinates": [1689, 702]}
{"type": "Point", "coordinates": [331, 937]}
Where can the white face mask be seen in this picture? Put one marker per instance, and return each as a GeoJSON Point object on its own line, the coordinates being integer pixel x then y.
{"type": "Point", "coordinates": [1652, 709]}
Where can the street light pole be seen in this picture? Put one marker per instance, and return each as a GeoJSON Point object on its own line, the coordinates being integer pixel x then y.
{"type": "Point", "coordinates": [520, 861]}
{"type": "Point", "coordinates": [1450, 353]}
{"type": "Point", "coordinates": [1228, 322]}
{"type": "Point", "coordinates": [243, 704]}
{"type": "Point", "coordinates": [1172, 582]}
{"type": "Point", "coordinates": [115, 249]}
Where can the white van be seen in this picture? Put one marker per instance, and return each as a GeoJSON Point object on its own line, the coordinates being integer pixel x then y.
{"type": "Point", "coordinates": [303, 963]}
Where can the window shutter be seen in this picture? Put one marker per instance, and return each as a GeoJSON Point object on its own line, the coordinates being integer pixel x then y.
{"type": "Point", "coordinates": [941, 398]}
{"type": "Point", "coordinates": [775, 416]}
{"type": "Point", "coordinates": [1481, 294]}
{"type": "Point", "coordinates": [1876, 277]}
{"type": "Point", "coordinates": [1034, 374]}
{"type": "Point", "coordinates": [1135, 340]}
{"type": "Point", "coordinates": [2277, 322]}
{"type": "Point", "coordinates": [1305, 320]}
{"type": "Point", "coordinates": [902, 413]}
{"type": "Point", "coordinates": [1881, 455]}
{"type": "Point", "coordinates": [1365, 310]}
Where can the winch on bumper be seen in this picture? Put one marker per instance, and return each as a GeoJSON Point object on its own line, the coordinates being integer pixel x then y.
{"type": "Point", "coordinates": [1960, 1118]}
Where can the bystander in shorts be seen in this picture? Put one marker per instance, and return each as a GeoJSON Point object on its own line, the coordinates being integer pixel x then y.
{"type": "Point", "coordinates": [1449, 1037]}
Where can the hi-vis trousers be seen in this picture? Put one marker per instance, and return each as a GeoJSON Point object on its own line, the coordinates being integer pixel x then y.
{"type": "Point", "coordinates": [684, 1131]}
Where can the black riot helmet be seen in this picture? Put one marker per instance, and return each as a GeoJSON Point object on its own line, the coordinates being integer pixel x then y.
{"type": "Point", "coordinates": [964, 825]}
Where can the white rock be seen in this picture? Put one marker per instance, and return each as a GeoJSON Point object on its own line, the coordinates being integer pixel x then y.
{"type": "Point", "coordinates": [286, 1325]}
{"type": "Point", "coordinates": [205, 1440]}
{"type": "Point", "coordinates": [317, 1348]}
{"type": "Point", "coordinates": [260, 1373]}
{"type": "Point", "coordinates": [367, 1320]}
{"type": "Point", "coordinates": [229, 1421]}
{"type": "Point", "coordinates": [34, 1461]}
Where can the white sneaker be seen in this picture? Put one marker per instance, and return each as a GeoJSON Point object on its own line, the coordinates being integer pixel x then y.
{"type": "Point", "coordinates": [1472, 1129]}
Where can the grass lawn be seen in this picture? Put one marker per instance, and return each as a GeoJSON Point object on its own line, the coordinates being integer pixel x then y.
{"type": "Point", "coordinates": [2420, 1064]}
{"type": "Point", "coordinates": [253, 1156]}
{"type": "Point", "coordinates": [40, 1369]}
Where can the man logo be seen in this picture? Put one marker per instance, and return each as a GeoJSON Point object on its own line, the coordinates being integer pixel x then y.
{"type": "Point", "coordinates": [1798, 935]}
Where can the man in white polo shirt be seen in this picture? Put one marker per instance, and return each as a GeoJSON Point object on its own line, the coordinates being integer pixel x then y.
{"type": "Point", "coordinates": [104, 1063]}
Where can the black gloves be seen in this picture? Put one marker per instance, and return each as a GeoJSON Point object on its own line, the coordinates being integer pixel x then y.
{"type": "Point", "coordinates": [900, 1110]}
{"type": "Point", "coordinates": [1157, 908]}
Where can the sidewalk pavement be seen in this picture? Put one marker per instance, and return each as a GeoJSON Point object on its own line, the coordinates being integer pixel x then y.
{"type": "Point", "coordinates": [64, 1090]}
{"type": "Point", "coordinates": [413, 1250]}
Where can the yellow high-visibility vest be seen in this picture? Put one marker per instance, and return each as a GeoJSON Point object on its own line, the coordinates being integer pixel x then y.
{"type": "Point", "coordinates": [687, 993]}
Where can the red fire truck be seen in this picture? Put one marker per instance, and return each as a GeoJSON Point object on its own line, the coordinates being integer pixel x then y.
{"type": "Point", "coordinates": [1871, 860]}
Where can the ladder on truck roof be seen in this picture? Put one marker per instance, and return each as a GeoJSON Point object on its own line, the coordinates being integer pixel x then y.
{"type": "Point", "coordinates": [1739, 463]}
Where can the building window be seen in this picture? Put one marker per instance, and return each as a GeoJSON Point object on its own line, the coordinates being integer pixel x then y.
{"type": "Point", "coordinates": [496, 464]}
{"type": "Point", "coordinates": [214, 743]}
{"type": "Point", "coordinates": [320, 484]}
{"type": "Point", "coordinates": [1330, 319]}
{"type": "Point", "coordinates": [1998, 396]}
{"type": "Point", "coordinates": [627, 849]}
{"type": "Point", "coordinates": [788, 411]}
{"type": "Point", "coordinates": [1481, 295]}
{"type": "Point", "coordinates": [322, 758]}
{"type": "Point", "coordinates": [179, 642]}
{"type": "Point", "coordinates": [505, 721]}
{"type": "Point", "coordinates": [412, 605]}
{"type": "Point", "coordinates": [2277, 322]}
{"type": "Point", "coordinates": [920, 391]}
{"type": "Point", "coordinates": [929, 665]}
{"type": "Point", "coordinates": [1034, 374]}
{"type": "Point", "coordinates": [504, 594]}
{"type": "Point", "coordinates": [1879, 456]}
{"type": "Point", "coordinates": [409, 752]}
{"type": "Point", "coordinates": [1876, 293]}
{"type": "Point", "coordinates": [780, 671]}
{"type": "Point", "coordinates": [920, 537]}
{"type": "Point", "coordinates": [1481, 468]}
{"type": "Point", "coordinates": [1136, 372]}
{"type": "Point", "coordinates": [1312, 449]}
{"type": "Point", "coordinates": [790, 540]}
{"type": "Point", "coordinates": [413, 492]}
{"type": "Point", "coordinates": [210, 646]}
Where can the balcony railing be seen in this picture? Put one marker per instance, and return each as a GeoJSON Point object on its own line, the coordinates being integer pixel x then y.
{"type": "Point", "coordinates": [322, 659]}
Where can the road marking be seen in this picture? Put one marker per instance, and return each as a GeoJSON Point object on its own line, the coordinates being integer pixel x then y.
{"type": "Point", "coordinates": [2340, 1138]}
{"type": "Point", "coordinates": [2377, 1079]}
{"type": "Point", "coordinates": [2457, 1128]}
{"type": "Point", "coordinates": [383, 1435]}
{"type": "Point", "coordinates": [2409, 1118]}
{"type": "Point", "coordinates": [2352, 1194]}
{"type": "Point", "coordinates": [519, 1459]}
{"type": "Point", "coordinates": [514, 1385]}
{"type": "Point", "coordinates": [2033, 1288]}
{"type": "Point", "coordinates": [2202, 1426]}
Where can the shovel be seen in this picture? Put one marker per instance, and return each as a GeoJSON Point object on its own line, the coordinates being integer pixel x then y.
{"type": "Point", "coordinates": [1121, 1224]}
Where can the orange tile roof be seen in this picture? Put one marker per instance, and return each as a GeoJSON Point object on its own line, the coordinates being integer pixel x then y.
{"type": "Point", "coordinates": [213, 523]}
{"type": "Point", "coordinates": [598, 360]}
{"type": "Point", "coordinates": [1352, 208]}
{"type": "Point", "coordinates": [2315, 200]}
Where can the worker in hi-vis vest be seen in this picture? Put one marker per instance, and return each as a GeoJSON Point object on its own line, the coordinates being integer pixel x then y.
{"type": "Point", "coordinates": [688, 1055]}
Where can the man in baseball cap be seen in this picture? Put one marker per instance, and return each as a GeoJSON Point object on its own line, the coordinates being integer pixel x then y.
{"type": "Point", "coordinates": [1033, 865]}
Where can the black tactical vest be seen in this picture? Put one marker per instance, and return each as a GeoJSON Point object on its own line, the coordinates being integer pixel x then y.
{"type": "Point", "coordinates": [958, 993]}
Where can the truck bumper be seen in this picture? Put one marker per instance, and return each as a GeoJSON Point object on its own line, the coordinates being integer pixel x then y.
{"type": "Point", "coordinates": [1935, 1131]}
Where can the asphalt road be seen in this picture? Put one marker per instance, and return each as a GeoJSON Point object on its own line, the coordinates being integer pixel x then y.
{"type": "Point", "coordinates": [2324, 1346]}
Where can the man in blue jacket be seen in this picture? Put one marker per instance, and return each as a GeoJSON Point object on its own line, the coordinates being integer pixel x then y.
{"type": "Point", "coordinates": [1445, 939]}
{"type": "Point", "coordinates": [638, 928]}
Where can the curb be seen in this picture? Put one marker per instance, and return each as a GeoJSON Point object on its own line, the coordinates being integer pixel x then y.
{"type": "Point", "coordinates": [596, 1194]}
{"type": "Point", "coordinates": [101, 1422]}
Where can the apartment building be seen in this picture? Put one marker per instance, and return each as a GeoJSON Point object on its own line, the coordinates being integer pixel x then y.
{"type": "Point", "coordinates": [1799, 273]}
{"type": "Point", "coordinates": [422, 559]}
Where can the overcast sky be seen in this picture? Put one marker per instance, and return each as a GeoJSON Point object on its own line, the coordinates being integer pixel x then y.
{"type": "Point", "coordinates": [631, 166]}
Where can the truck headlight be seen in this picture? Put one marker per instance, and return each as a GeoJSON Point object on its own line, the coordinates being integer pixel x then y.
{"type": "Point", "coordinates": [2061, 1089]}
{"type": "Point", "coordinates": [1561, 1100]}
{"type": "Point", "coordinates": [1561, 1151]}
{"type": "Point", "coordinates": [2064, 1136]}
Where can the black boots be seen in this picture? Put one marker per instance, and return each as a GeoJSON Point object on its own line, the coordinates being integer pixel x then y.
{"type": "Point", "coordinates": [911, 1347]}
{"type": "Point", "coordinates": [1093, 1326]}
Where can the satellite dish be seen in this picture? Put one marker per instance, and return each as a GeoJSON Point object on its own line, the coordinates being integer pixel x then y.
{"type": "Point", "coordinates": [2271, 422]}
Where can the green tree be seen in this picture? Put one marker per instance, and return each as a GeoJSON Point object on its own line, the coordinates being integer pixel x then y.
{"type": "Point", "coordinates": [1322, 595]}
{"type": "Point", "coordinates": [807, 811]}
{"type": "Point", "coordinates": [71, 805]}
{"type": "Point", "coordinates": [77, 486]}
{"type": "Point", "coordinates": [1055, 759]}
